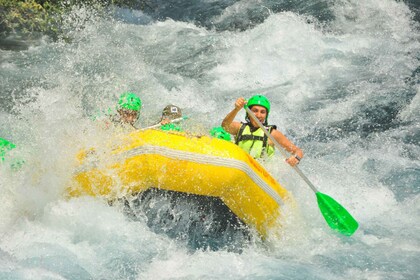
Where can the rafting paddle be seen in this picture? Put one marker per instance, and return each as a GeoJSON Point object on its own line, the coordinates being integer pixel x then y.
{"type": "Point", "coordinates": [337, 217]}
{"type": "Point", "coordinates": [159, 124]}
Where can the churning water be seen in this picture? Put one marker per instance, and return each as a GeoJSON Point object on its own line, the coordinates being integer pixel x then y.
{"type": "Point", "coordinates": [343, 79]}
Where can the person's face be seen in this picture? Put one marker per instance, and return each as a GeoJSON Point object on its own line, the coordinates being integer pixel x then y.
{"type": "Point", "coordinates": [165, 120]}
{"type": "Point", "coordinates": [260, 112]}
{"type": "Point", "coordinates": [128, 116]}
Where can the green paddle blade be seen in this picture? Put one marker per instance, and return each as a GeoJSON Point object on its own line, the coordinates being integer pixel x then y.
{"type": "Point", "coordinates": [336, 215]}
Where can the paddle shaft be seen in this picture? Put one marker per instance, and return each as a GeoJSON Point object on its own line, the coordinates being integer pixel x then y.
{"type": "Point", "coordinates": [159, 124]}
{"type": "Point", "coordinates": [281, 149]}
{"type": "Point", "coordinates": [337, 217]}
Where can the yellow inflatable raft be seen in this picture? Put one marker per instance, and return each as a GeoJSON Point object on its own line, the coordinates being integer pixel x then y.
{"type": "Point", "coordinates": [180, 162]}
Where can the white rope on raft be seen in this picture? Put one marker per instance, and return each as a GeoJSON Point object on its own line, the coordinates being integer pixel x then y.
{"type": "Point", "coordinates": [196, 158]}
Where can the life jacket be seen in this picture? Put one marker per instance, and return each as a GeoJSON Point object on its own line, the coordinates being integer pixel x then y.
{"type": "Point", "coordinates": [171, 127]}
{"type": "Point", "coordinates": [256, 142]}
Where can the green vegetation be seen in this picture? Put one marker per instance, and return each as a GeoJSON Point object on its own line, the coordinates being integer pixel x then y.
{"type": "Point", "coordinates": [30, 18]}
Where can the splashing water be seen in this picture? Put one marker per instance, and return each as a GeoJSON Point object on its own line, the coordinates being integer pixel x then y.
{"type": "Point", "coordinates": [343, 80]}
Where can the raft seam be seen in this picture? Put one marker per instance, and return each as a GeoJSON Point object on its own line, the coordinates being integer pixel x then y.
{"type": "Point", "coordinates": [197, 158]}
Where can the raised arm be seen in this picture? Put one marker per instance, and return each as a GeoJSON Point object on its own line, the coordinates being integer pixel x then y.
{"type": "Point", "coordinates": [228, 122]}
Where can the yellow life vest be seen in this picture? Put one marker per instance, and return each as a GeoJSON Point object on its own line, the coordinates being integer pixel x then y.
{"type": "Point", "coordinates": [255, 143]}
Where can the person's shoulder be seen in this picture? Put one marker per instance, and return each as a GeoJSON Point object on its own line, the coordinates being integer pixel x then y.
{"type": "Point", "coordinates": [234, 127]}
{"type": "Point", "coordinates": [240, 123]}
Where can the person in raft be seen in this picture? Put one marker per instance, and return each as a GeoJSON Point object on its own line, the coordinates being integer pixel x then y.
{"type": "Point", "coordinates": [170, 113]}
{"type": "Point", "coordinates": [251, 138]}
{"type": "Point", "coordinates": [128, 110]}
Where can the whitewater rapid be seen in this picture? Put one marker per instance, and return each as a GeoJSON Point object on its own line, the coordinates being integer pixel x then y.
{"type": "Point", "coordinates": [343, 82]}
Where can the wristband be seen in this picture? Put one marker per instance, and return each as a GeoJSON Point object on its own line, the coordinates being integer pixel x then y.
{"type": "Point", "coordinates": [298, 158]}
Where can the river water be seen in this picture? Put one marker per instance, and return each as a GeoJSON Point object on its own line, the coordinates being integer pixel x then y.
{"type": "Point", "coordinates": [343, 81]}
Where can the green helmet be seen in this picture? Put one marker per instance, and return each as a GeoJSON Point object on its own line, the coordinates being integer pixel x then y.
{"type": "Point", "coordinates": [129, 101]}
{"type": "Point", "coordinates": [220, 133]}
{"type": "Point", "coordinates": [260, 100]}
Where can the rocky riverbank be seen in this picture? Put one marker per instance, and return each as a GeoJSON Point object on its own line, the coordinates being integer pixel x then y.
{"type": "Point", "coordinates": [25, 20]}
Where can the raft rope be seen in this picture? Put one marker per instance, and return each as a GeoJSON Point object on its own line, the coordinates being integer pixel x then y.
{"type": "Point", "coordinates": [197, 158]}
